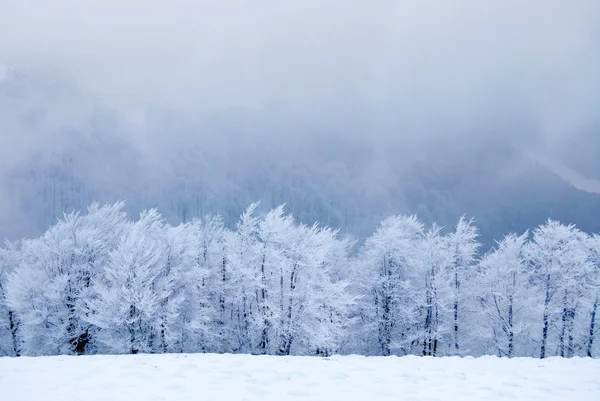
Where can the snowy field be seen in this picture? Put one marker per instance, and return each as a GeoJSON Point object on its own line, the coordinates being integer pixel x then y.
{"type": "Point", "coordinates": [242, 377]}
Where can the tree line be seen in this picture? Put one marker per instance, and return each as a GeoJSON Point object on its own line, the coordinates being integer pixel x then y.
{"type": "Point", "coordinates": [100, 283]}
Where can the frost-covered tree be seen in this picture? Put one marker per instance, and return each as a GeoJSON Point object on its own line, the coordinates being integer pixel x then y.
{"type": "Point", "coordinates": [172, 284]}
{"type": "Point", "coordinates": [52, 284]}
{"type": "Point", "coordinates": [45, 292]}
{"type": "Point", "coordinates": [594, 247]}
{"type": "Point", "coordinates": [275, 232]}
{"type": "Point", "coordinates": [432, 263]}
{"type": "Point", "coordinates": [243, 263]}
{"type": "Point", "coordinates": [503, 282]}
{"type": "Point", "coordinates": [388, 305]}
{"type": "Point", "coordinates": [127, 304]}
{"type": "Point", "coordinates": [464, 245]}
{"type": "Point", "coordinates": [561, 269]}
{"type": "Point", "coordinates": [314, 299]}
{"type": "Point", "coordinates": [289, 297]}
{"type": "Point", "coordinates": [10, 343]}
{"type": "Point", "coordinates": [205, 307]}
{"type": "Point", "coordinates": [98, 283]}
{"type": "Point", "coordinates": [101, 230]}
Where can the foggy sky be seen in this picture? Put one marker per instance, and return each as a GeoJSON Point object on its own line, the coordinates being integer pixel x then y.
{"type": "Point", "coordinates": [413, 74]}
{"type": "Point", "coordinates": [412, 59]}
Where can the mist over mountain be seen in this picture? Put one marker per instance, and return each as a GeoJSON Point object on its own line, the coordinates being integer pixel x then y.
{"type": "Point", "coordinates": [74, 150]}
{"type": "Point", "coordinates": [347, 115]}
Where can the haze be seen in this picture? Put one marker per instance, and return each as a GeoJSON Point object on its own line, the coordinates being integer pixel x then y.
{"type": "Point", "coordinates": [229, 90]}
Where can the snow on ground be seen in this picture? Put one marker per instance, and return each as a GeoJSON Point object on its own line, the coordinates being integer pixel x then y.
{"type": "Point", "coordinates": [348, 378]}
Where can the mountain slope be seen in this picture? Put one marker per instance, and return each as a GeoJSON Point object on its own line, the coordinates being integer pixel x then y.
{"type": "Point", "coordinates": [64, 148]}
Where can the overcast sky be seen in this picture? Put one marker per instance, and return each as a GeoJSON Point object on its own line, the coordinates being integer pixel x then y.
{"type": "Point", "coordinates": [529, 70]}
{"type": "Point", "coordinates": [365, 78]}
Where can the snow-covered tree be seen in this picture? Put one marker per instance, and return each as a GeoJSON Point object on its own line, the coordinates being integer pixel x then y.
{"type": "Point", "coordinates": [100, 232]}
{"type": "Point", "coordinates": [274, 232]}
{"type": "Point", "coordinates": [464, 245]}
{"type": "Point", "coordinates": [243, 263]}
{"type": "Point", "coordinates": [98, 283]}
{"type": "Point", "coordinates": [388, 305]}
{"type": "Point", "coordinates": [52, 284]}
{"type": "Point", "coordinates": [10, 343]}
{"type": "Point", "coordinates": [205, 307]}
{"type": "Point", "coordinates": [127, 305]}
{"type": "Point", "coordinates": [289, 298]}
{"type": "Point", "coordinates": [594, 247]}
{"type": "Point", "coordinates": [315, 301]}
{"type": "Point", "coordinates": [561, 269]}
{"type": "Point", "coordinates": [173, 283]}
{"type": "Point", "coordinates": [503, 282]}
{"type": "Point", "coordinates": [434, 279]}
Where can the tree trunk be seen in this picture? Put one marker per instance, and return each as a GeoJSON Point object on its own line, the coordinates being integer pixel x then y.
{"type": "Point", "coordinates": [71, 327]}
{"type": "Point", "coordinates": [428, 317]}
{"type": "Point", "coordinates": [434, 305]}
{"type": "Point", "coordinates": [592, 324]}
{"type": "Point", "coordinates": [132, 313]}
{"type": "Point", "coordinates": [223, 279]}
{"type": "Point", "coordinates": [385, 324]}
{"type": "Point", "coordinates": [546, 321]}
{"type": "Point", "coordinates": [282, 335]}
{"type": "Point", "coordinates": [510, 326]}
{"type": "Point", "coordinates": [264, 341]}
{"type": "Point", "coordinates": [456, 294]}
{"type": "Point", "coordinates": [222, 311]}
{"type": "Point", "coordinates": [290, 336]}
{"type": "Point", "coordinates": [386, 331]}
{"type": "Point", "coordinates": [14, 327]}
{"type": "Point", "coordinates": [570, 343]}
{"type": "Point", "coordinates": [163, 335]}
{"type": "Point", "coordinates": [82, 342]}
{"type": "Point", "coordinates": [245, 343]}
{"type": "Point", "coordinates": [563, 328]}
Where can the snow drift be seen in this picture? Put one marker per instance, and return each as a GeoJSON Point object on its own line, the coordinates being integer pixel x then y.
{"type": "Point", "coordinates": [243, 377]}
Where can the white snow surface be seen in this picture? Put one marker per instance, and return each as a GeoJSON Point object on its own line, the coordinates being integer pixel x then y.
{"type": "Point", "coordinates": [265, 378]}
